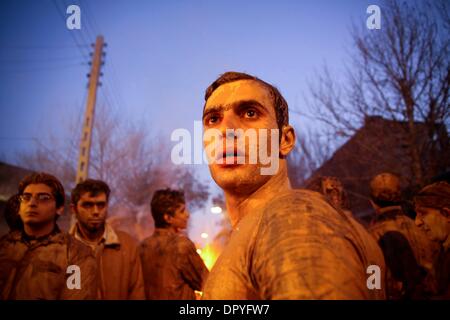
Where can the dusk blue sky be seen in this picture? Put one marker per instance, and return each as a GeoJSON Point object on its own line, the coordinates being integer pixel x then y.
{"type": "Point", "coordinates": [161, 56]}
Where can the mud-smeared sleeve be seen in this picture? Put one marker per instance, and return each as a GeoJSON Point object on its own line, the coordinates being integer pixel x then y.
{"type": "Point", "coordinates": [136, 287]}
{"type": "Point", "coordinates": [300, 255]}
{"type": "Point", "coordinates": [82, 257]}
{"type": "Point", "coordinates": [191, 265]}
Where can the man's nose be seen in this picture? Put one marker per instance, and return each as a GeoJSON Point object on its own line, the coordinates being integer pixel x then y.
{"type": "Point", "coordinates": [95, 210]}
{"type": "Point", "coordinates": [228, 122]}
{"type": "Point", "coordinates": [33, 202]}
{"type": "Point", "coordinates": [418, 221]}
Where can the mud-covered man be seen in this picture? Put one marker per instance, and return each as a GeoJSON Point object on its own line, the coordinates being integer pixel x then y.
{"type": "Point", "coordinates": [172, 268]}
{"type": "Point", "coordinates": [407, 250]}
{"type": "Point", "coordinates": [38, 261]}
{"type": "Point", "coordinates": [119, 265]}
{"type": "Point", "coordinates": [286, 244]}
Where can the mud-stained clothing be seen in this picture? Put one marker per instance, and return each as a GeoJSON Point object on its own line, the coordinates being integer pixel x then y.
{"type": "Point", "coordinates": [37, 268]}
{"type": "Point", "coordinates": [297, 247]}
{"type": "Point", "coordinates": [119, 265]}
{"type": "Point", "coordinates": [408, 253]}
{"type": "Point", "coordinates": [172, 268]}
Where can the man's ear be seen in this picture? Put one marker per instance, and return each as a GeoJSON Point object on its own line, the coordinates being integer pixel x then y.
{"type": "Point", "coordinates": [287, 140]}
{"type": "Point", "coordinates": [167, 218]}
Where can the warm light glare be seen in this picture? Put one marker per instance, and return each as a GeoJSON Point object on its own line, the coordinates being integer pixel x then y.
{"type": "Point", "coordinates": [209, 256]}
{"type": "Point", "coordinates": [204, 235]}
{"type": "Point", "coordinates": [216, 210]}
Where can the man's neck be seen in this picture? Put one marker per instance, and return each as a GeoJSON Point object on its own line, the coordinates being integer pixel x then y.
{"type": "Point", "coordinates": [38, 231]}
{"type": "Point", "coordinates": [238, 204]}
{"type": "Point", "coordinates": [89, 236]}
{"type": "Point", "coordinates": [173, 229]}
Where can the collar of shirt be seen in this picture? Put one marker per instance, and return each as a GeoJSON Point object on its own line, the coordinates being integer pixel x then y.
{"type": "Point", "coordinates": [56, 236]}
{"type": "Point", "coordinates": [109, 237]}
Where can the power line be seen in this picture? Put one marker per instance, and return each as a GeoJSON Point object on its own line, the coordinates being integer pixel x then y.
{"type": "Point", "coordinates": [78, 45]}
{"type": "Point", "coordinates": [41, 68]}
{"type": "Point", "coordinates": [75, 138]}
{"type": "Point", "coordinates": [90, 32]}
{"type": "Point", "coordinates": [40, 47]}
{"type": "Point", "coordinates": [110, 80]}
{"type": "Point", "coordinates": [46, 59]}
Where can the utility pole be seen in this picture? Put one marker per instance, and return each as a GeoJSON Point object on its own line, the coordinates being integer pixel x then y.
{"type": "Point", "coordinates": [86, 133]}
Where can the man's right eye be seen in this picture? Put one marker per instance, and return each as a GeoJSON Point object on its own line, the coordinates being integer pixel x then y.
{"type": "Point", "coordinates": [26, 197]}
{"type": "Point", "coordinates": [212, 119]}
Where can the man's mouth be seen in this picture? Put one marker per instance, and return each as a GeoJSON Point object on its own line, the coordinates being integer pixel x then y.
{"type": "Point", "coordinates": [95, 221]}
{"type": "Point", "coordinates": [231, 155]}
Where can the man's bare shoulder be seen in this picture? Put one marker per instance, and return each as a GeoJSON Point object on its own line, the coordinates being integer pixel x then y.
{"type": "Point", "coordinates": [304, 210]}
{"type": "Point", "coordinates": [299, 201]}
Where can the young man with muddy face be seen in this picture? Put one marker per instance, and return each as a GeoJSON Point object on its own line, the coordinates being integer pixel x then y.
{"type": "Point", "coordinates": [119, 265]}
{"type": "Point", "coordinates": [432, 205]}
{"type": "Point", "coordinates": [286, 244]}
{"type": "Point", "coordinates": [36, 258]}
{"type": "Point", "coordinates": [172, 268]}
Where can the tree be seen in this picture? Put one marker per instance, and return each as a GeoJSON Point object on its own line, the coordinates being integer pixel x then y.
{"type": "Point", "coordinates": [400, 72]}
{"type": "Point", "coordinates": [310, 152]}
{"type": "Point", "coordinates": [125, 157]}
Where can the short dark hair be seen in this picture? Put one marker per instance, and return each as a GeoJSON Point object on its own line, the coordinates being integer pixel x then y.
{"type": "Point", "coordinates": [93, 187]}
{"type": "Point", "coordinates": [11, 213]}
{"type": "Point", "coordinates": [165, 201]}
{"type": "Point", "coordinates": [435, 195]}
{"type": "Point", "coordinates": [279, 103]}
{"type": "Point", "coordinates": [316, 184]}
{"type": "Point", "coordinates": [47, 179]}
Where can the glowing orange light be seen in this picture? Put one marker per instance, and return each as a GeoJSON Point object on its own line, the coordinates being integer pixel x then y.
{"type": "Point", "coordinates": [209, 256]}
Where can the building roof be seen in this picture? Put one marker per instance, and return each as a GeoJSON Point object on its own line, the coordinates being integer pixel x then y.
{"type": "Point", "coordinates": [381, 145]}
{"type": "Point", "coordinates": [10, 176]}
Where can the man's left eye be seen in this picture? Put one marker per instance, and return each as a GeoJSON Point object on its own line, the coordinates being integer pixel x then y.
{"type": "Point", "coordinates": [250, 113]}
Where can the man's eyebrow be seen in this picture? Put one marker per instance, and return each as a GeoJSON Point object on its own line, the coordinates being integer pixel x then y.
{"type": "Point", "coordinates": [250, 102]}
{"type": "Point", "coordinates": [214, 109]}
{"type": "Point", "coordinates": [221, 108]}
{"type": "Point", "coordinates": [38, 193]}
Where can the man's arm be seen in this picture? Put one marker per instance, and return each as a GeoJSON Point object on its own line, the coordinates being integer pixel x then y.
{"type": "Point", "coordinates": [191, 265]}
{"type": "Point", "coordinates": [136, 288]}
{"type": "Point", "coordinates": [81, 256]}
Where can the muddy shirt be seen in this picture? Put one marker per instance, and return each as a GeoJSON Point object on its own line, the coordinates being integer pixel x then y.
{"type": "Point", "coordinates": [296, 247]}
{"type": "Point", "coordinates": [119, 265]}
{"type": "Point", "coordinates": [408, 253]}
{"type": "Point", "coordinates": [37, 268]}
{"type": "Point", "coordinates": [171, 266]}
